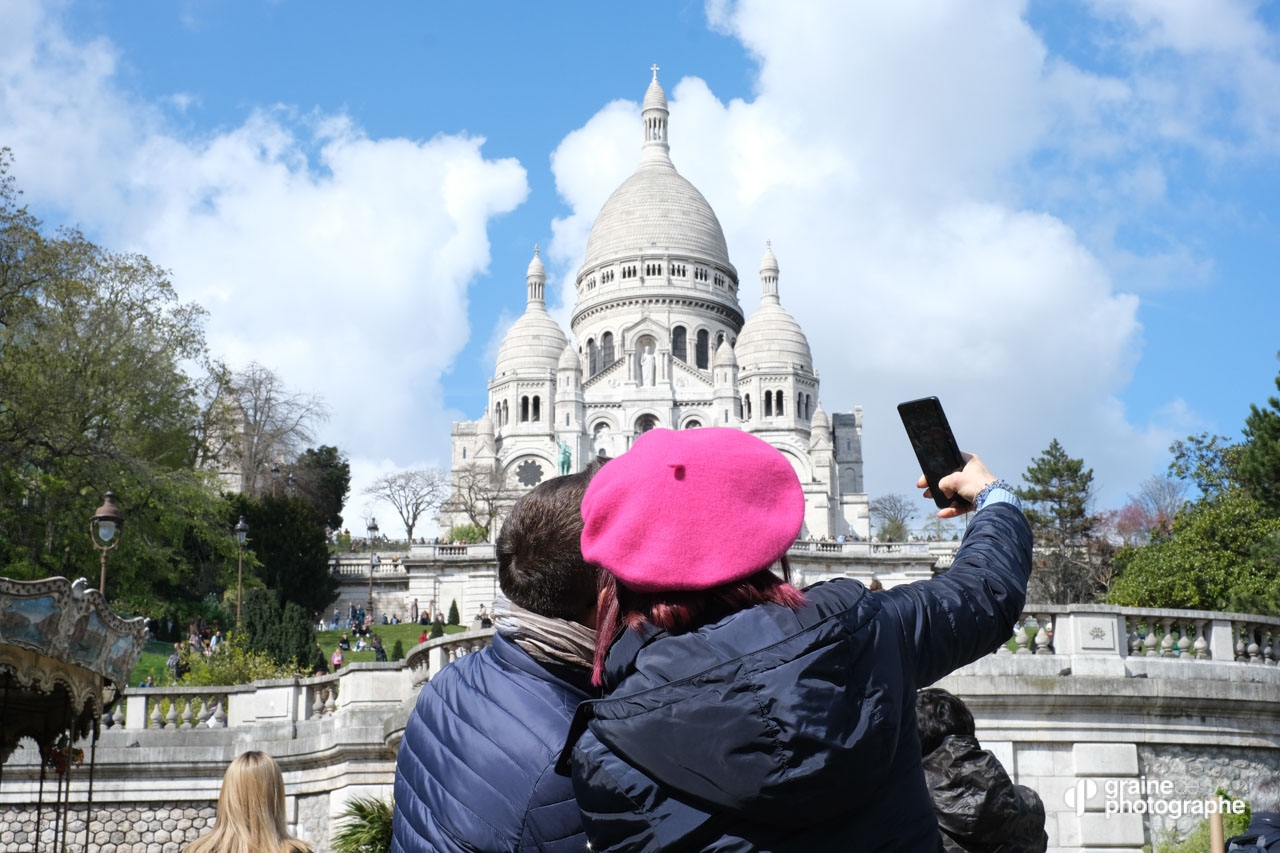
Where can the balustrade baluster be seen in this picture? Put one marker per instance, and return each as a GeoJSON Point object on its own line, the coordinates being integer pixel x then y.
{"type": "Point", "coordinates": [1201, 645]}
{"type": "Point", "coordinates": [1255, 652]}
{"type": "Point", "coordinates": [171, 719]}
{"type": "Point", "coordinates": [1149, 643]}
{"type": "Point", "coordinates": [330, 701]}
{"type": "Point", "coordinates": [1166, 642]}
{"type": "Point", "coordinates": [1135, 640]}
{"type": "Point", "coordinates": [1044, 637]}
{"type": "Point", "coordinates": [187, 713]}
{"type": "Point", "coordinates": [317, 701]}
{"type": "Point", "coordinates": [1020, 638]}
{"type": "Point", "coordinates": [206, 711]}
{"type": "Point", "coordinates": [1183, 648]}
{"type": "Point", "coordinates": [219, 715]}
{"type": "Point", "coordinates": [1242, 648]}
{"type": "Point", "coordinates": [157, 722]}
{"type": "Point", "coordinates": [1271, 653]}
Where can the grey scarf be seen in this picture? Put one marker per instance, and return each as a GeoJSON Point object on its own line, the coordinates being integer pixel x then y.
{"type": "Point", "coordinates": [544, 637]}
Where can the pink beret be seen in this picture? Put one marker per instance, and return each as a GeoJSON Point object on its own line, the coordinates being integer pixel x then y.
{"type": "Point", "coordinates": [691, 510]}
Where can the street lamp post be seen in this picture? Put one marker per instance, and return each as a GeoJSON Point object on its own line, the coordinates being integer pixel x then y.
{"type": "Point", "coordinates": [293, 485]}
{"type": "Point", "coordinates": [242, 533]}
{"type": "Point", "coordinates": [103, 527]}
{"type": "Point", "coordinates": [374, 561]}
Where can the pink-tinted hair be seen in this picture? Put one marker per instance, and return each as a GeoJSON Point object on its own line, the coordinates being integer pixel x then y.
{"type": "Point", "coordinates": [619, 608]}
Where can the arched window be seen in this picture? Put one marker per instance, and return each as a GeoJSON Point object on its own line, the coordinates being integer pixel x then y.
{"type": "Point", "coordinates": [464, 453]}
{"type": "Point", "coordinates": [524, 409]}
{"type": "Point", "coordinates": [537, 408]}
{"type": "Point", "coordinates": [746, 406]}
{"type": "Point", "coordinates": [808, 406]}
{"type": "Point", "coordinates": [606, 349]}
{"type": "Point", "coordinates": [704, 340]}
{"type": "Point", "coordinates": [679, 344]}
{"type": "Point", "coordinates": [693, 424]}
{"type": "Point", "coordinates": [566, 418]}
{"type": "Point", "coordinates": [593, 358]}
{"type": "Point", "coordinates": [779, 405]}
{"type": "Point", "coordinates": [719, 340]}
{"type": "Point", "coordinates": [768, 404]}
{"type": "Point", "coordinates": [646, 423]}
{"type": "Point", "coordinates": [799, 404]}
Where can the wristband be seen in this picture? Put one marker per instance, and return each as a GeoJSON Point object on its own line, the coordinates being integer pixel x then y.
{"type": "Point", "coordinates": [981, 499]}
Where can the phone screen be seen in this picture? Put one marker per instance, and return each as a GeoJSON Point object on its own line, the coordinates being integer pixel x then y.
{"type": "Point", "coordinates": [934, 444]}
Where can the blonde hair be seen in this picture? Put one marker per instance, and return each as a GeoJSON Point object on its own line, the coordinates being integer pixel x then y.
{"type": "Point", "coordinates": [250, 811]}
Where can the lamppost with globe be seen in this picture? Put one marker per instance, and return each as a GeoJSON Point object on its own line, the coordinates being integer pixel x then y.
{"type": "Point", "coordinates": [242, 533]}
{"type": "Point", "coordinates": [103, 527]}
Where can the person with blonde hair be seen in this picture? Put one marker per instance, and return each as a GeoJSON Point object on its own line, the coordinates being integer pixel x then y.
{"type": "Point", "coordinates": [250, 811]}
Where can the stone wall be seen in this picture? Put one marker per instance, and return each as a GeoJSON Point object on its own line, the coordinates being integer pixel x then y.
{"type": "Point", "coordinates": [313, 819]}
{"type": "Point", "coordinates": [135, 828]}
{"type": "Point", "coordinates": [1199, 771]}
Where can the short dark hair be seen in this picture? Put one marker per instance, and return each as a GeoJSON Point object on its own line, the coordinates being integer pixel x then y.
{"type": "Point", "coordinates": [938, 714]}
{"type": "Point", "coordinates": [540, 565]}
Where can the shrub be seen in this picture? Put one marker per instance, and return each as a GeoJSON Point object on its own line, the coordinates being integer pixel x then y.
{"type": "Point", "coordinates": [397, 651]}
{"type": "Point", "coordinates": [468, 533]}
{"type": "Point", "coordinates": [365, 827]}
{"type": "Point", "coordinates": [437, 630]}
{"type": "Point", "coordinates": [454, 618]}
{"type": "Point", "coordinates": [234, 663]}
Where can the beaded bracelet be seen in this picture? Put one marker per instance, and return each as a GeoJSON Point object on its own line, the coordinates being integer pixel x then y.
{"type": "Point", "coordinates": [988, 489]}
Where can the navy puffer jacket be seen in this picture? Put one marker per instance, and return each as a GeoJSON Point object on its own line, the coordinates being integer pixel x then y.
{"type": "Point", "coordinates": [476, 766]}
{"type": "Point", "coordinates": [779, 730]}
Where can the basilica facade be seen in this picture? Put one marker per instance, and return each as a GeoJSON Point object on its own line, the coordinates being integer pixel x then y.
{"type": "Point", "coordinates": [658, 340]}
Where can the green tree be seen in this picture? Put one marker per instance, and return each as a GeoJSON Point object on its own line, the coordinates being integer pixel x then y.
{"type": "Point", "coordinates": [286, 634]}
{"type": "Point", "coordinates": [286, 536]}
{"type": "Point", "coordinates": [324, 478]}
{"type": "Point", "coordinates": [1057, 497]}
{"type": "Point", "coordinates": [94, 396]}
{"type": "Point", "coordinates": [454, 617]}
{"type": "Point", "coordinates": [891, 513]}
{"type": "Point", "coordinates": [1258, 465]}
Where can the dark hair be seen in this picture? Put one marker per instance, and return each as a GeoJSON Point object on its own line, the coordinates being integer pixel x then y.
{"type": "Point", "coordinates": [938, 714]}
{"type": "Point", "coordinates": [540, 565]}
{"type": "Point", "coordinates": [679, 611]}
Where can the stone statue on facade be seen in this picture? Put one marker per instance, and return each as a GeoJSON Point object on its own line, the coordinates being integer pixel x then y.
{"type": "Point", "coordinates": [647, 366]}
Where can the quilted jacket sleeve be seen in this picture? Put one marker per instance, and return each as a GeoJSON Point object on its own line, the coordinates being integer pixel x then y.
{"type": "Point", "coordinates": [968, 611]}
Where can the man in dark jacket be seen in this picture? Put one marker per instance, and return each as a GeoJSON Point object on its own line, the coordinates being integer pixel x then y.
{"type": "Point", "coordinates": [475, 768]}
{"type": "Point", "coordinates": [795, 730]}
{"type": "Point", "coordinates": [1264, 822]}
{"type": "Point", "coordinates": [979, 808]}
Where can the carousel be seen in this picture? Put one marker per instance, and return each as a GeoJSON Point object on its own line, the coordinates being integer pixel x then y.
{"type": "Point", "coordinates": [65, 660]}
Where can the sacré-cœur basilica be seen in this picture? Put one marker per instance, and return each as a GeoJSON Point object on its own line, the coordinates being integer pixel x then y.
{"type": "Point", "coordinates": [658, 340]}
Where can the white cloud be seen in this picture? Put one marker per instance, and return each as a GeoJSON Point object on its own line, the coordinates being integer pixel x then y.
{"type": "Point", "coordinates": [340, 261]}
{"type": "Point", "coordinates": [882, 154]}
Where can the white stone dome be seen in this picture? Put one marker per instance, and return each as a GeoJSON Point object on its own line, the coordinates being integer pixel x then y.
{"type": "Point", "coordinates": [771, 336]}
{"type": "Point", "coordinates": [569, 359]}
{"type": "Point", "coordinates": [819, 429]}
{"type": "Point", "coordinates": [657, 210]}
{"type": "Point", "coordinates": [725, 356]}
{"type": "Point", "coordinates": [533, 343]}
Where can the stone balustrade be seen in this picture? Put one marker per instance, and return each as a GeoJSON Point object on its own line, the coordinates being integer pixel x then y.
{"type": "Point", "coordinates": [427, 659]}
{"type": "Point", "coordinates": [1132, 632]}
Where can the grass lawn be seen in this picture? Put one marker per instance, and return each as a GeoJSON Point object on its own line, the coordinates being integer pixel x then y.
{"type": "Point", "coordinates": [156, 653]}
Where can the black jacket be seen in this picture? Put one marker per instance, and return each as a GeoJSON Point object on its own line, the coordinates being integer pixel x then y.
{"type": "Point", "coordinates": [1264, 825]}
{"type": "Point", "coordinates": [774, 729]}
{"type": "Point", "coordinates": [979, 808]}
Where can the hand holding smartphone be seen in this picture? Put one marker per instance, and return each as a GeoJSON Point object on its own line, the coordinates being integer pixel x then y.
{"type": "Point", "coordinates": [935, 446]}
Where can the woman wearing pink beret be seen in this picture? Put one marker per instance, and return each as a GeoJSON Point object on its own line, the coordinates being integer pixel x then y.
{"type": "Point", "coordinates": [740, 712]}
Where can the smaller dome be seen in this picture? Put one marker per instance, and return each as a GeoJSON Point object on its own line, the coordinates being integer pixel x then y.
{"type": "Point", "coordinates": [654, 97]}
{"type": "Point", "coordinates": [534, 343]}
{"type": "Point", "coordinates": [725, 356]}
{"type": "Point", "coordinates": [772, 337]}
{"type": "Point", "coordinates": [484, 426]}
{"type": "Point", "coordinates": [769, 263]}
{"type": "Point", "coordinates": [569, 359]}
{"type": "Point", "coordinates": [536, 269]}
{"type": "Point", "coordinates": [819, 429]}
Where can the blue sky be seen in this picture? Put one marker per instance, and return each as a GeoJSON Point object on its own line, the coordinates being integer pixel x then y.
{"type": "Point", "coordinates": [1058, 217]}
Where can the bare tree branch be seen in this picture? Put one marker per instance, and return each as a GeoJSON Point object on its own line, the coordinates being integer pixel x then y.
{"type": "Point", "coordinates": [411, 493]}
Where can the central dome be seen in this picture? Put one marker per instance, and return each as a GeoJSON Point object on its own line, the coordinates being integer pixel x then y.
{"type": "Point", "coordinates": [656, 210]}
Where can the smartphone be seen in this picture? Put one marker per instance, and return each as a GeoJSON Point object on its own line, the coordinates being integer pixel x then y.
{"type": "Point", "coordinates": [934, 444]}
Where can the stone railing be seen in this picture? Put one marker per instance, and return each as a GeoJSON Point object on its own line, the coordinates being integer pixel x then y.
{"type": "Point", "coordinates": [359, 567]}
{"type": "Point", "coordinates": [480, 551]}
{"type": "Point", "coordinates": [427, 659]}
{"type": "Point", "coordinates": [1133, 632]}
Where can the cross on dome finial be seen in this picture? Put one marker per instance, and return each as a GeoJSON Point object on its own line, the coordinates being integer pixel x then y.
{"type": "Point", "coordinates": [654, 68]}
{"type": "Point", "coordinates": [535, 250]}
